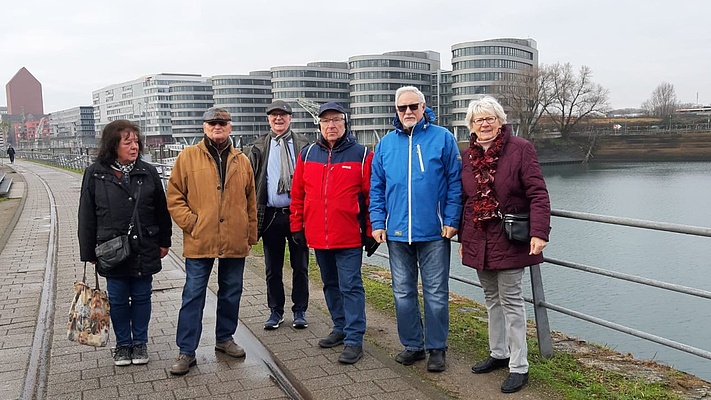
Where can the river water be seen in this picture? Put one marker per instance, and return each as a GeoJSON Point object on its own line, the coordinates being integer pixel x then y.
{"type": "Point", "coordinates": [665, 192]}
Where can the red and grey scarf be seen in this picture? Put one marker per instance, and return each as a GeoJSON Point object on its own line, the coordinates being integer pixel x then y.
{"type": "Point", "coordinates": [483, 164]}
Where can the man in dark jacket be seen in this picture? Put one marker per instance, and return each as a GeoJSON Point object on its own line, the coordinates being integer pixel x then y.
{"type": "Point", "coordinates": [329, 207]}
{"type": "Point", "coordinates": [273, 158]}
{"type": "Point", "coordinates": [11, 153]}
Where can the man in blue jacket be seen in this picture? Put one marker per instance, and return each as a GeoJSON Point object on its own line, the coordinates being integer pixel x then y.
{"type": "Point", "coordinates": [415, 205]}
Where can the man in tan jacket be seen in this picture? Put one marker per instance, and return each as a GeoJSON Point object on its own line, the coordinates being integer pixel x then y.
{"type": "Point", "coordinates": [211, 197]}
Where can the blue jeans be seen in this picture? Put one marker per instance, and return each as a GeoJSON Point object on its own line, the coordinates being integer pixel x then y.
{"type": "Point", "coordinates": [130, 300]}
{"type": "Point", "coordinates": [433, 259]}
{"type": "Point", "coordinates": [343, 288]}
{"type": "Point", "coordinates": [230, 274]}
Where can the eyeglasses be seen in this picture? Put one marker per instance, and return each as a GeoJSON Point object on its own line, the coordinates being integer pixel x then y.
{"type": "Point", "coordinates": [277, 115]}
{"type": "Point", "coordinates": [327, 121]}
{"type": "Point", "coordinates": [489, 120]}
{"type": "Point", "coordinates": [412, 107]}
{"type": "Point", "coordinates": [221, 123]}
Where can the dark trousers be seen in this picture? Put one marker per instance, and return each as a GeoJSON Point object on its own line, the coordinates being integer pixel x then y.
{"type": "Point", "coordinates": [275, 235]}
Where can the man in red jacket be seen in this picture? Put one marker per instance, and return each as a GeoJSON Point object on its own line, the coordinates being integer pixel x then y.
{"type": "Point", "coordinates": [329, 212]}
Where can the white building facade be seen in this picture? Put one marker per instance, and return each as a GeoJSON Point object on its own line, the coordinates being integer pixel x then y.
{"type": "Point", "coordinates": [147, 102]}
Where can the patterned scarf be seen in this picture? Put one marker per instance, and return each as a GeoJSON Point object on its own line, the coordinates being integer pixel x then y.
{"type": "Point", "coordinates": [124, 169]}
{"type": "Point", "coordinates": [483, 163]}
{"type": "Point", "coordinates": [287, 166]}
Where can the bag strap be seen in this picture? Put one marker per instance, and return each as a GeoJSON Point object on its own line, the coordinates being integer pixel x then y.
{"type": "Point", "coordinates": [96, 276]}
{"type": "Point", "coordinates": [135, 221]}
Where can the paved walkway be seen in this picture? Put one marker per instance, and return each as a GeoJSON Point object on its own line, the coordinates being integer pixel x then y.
{"type": "Point", "coordinates": [74, 371]}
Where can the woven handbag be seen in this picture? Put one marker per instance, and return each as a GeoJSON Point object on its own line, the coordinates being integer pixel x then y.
{"type": "Point", "coordinates": [89, 314]}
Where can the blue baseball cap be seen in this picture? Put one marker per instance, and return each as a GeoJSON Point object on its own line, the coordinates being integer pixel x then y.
{"type": "Point", "coordinates": [331, 106]}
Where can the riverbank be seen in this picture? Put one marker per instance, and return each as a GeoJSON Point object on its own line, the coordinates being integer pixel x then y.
{"type": "Point", "coordinates": [666, 147]}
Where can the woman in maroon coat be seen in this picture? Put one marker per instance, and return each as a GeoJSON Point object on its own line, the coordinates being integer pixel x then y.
{"type": "Point", "coordinates": [501, 175]}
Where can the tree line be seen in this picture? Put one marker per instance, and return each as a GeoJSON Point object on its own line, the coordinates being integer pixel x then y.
{"type": "Point", "coordinates": [565, 97]}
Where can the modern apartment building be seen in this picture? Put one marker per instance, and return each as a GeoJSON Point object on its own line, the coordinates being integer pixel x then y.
{"type": "Point", "coordinates": [72, 128]}
{"type": "Point", "coordinates": [374, 80]}
{"type": "Point", "coordinates": [317, 82]}
{"type": "Point", "coordinates": [148, 102]}
{"type": "Point", "coordinates": [246, 98]}
{"type": "Point", "coordinates": [188, 101]}
{"type": "Point", "coordinates": [169, 107]}
{"type": "Point", "coordinates": [479, 67]}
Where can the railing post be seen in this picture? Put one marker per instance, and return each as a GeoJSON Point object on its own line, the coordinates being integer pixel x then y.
{"type": "Point", "coordinates": [543, 330]}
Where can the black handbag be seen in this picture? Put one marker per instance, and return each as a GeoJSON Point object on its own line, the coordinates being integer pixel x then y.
{"type": "Point", "coordinates": [517, 227]}
{"type": "Point", "coordinates": [113, 252]}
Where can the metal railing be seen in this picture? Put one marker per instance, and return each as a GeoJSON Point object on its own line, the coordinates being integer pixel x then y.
{"type": "Point", "coordinates": [64, 160]}
{"type": "Point", "coordinates": [540, 305]}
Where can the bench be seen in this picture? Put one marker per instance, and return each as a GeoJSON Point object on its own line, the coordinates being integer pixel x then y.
{"type": "Point", "coordinates": [5, 184]}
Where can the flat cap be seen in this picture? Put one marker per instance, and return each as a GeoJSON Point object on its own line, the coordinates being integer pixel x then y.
{"type": "Point", "coordinates": [216, 114]}
{"type": "Point", "coordinates": [279, 105]}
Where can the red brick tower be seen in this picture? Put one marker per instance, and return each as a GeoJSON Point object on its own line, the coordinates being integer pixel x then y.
{"type": "Point", "coordinates": [24, 94]}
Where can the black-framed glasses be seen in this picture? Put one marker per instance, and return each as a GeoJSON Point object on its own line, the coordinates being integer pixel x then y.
{"type": "Point", "coordinates": [327, 121]}
{"type": "Point", "coordinates": [489, 120]}
{"type": "Point", "coordinates": [221, 123]}
{"type": "Point", "coordinates": [412, 107]}
{"type": "Point", "coordinates": [277, 115]}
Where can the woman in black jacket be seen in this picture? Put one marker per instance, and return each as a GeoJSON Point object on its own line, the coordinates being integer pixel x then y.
{"type": "Point", "coordinates": [110, 189]}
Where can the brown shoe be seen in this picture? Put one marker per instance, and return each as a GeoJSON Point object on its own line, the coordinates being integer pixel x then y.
{"type": "Point", "coordinates": [182, 364]}
{"type": "Point", "coordinates": [230, 348]}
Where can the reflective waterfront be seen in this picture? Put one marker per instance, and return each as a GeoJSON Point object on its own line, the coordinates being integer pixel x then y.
{"type": "Point", "coordinates": [665, 192]}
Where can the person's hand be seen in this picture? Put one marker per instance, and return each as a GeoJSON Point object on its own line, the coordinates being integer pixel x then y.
{"type": "Point", "coordinates": [537, 245]}
{"type": "Point", "coordinates": [163, 252]}
{"type": "Point", "coordinates": [370, 246]}
{"type": "Point", "coordinates": [299, 238]}
{"type": "Point", "coordinates": [448, 232]}
{"type": "Point", "coordinates": [460, 250]}
{"type": "Point", "coordinates": [379, 235]}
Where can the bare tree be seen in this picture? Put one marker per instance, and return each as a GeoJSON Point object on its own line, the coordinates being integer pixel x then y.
{"type": "Point", "coordinates": [663, 101]}
{"type": "Point", "coordinates": [526, 94]}
{"type": "Point", "coordinates": [573, 97]}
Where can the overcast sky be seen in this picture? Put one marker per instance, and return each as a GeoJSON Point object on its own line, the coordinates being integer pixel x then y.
{"type": "Point", "coordinates": [74, 47]}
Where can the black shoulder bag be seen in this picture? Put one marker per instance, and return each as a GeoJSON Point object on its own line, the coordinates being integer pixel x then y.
{"type": "Point", "coordinates": [517, 227]}
{"type": "Point", "coordinates": [113, 252]}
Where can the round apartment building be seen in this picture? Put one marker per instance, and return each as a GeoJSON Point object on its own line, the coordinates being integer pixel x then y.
{"type": "Point", "coordinates": [480, 68]}
{"type": "Point", "coordinates": [313, 84]}
{"type": "Point", "coordinates": [246, 98]}
{"type": "Point", "coordinates": [374, 80]}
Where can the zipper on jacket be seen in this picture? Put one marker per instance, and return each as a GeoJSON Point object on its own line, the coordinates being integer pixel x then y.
{"type": "Point", "coordinates": [325, 195]}
{"type": "Point", "coordinates": [419, 155]}
{"type": "Point", "coordinates": [409, 188]}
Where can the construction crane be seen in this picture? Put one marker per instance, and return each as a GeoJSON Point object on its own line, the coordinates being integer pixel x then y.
{"type": "Point", "coordinates": [40, 125]}
{"type": "Point", "coordinates": [311, 107]}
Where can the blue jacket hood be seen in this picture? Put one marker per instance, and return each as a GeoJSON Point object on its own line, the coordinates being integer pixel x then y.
{"type": "Point", "coordinates": [428, 118]}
